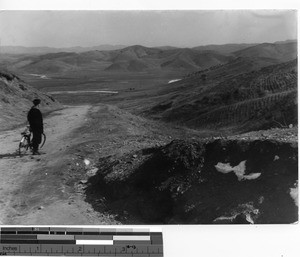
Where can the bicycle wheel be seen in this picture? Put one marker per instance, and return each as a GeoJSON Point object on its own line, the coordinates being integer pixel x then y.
{"type": "Point", "coordinates": [23, 145]}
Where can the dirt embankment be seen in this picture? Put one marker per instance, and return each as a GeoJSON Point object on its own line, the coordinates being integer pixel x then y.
{"type": "Point", "coordinates": [16, 99]}
{"type": "Point", "coordinates": [242, 179]}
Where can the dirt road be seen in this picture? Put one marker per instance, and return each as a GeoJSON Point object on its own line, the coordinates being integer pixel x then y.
{"type": "Point", "coordinates": [33, 189]}
{"type": "Point", "coordinates": [50, 188]}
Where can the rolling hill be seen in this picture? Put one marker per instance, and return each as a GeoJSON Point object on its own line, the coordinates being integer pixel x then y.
{"type": "Point", "coordinates": [139, 59]}
{"type": "Point", "coordinates": [16, 99]}
{"type": "Point", "coordinates": [225, 49]}
{"type": "Point", "coordinates": [194, 59]}
{"type": "Point", "coordinates": [281, 52]}
{"type": "Point", "coordinates": [133, 59]}
{"type": "Point", "coordinates": [249, 49]}
{"type": "Point", "coordinates": [259, 99]}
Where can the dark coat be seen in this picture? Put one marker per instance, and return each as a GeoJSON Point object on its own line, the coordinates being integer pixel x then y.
{"type": "Point", "coordinates": [35, 120]}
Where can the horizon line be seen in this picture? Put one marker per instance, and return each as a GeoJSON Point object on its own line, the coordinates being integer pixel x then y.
{"type": "Point", "coordinates": [106, 44]}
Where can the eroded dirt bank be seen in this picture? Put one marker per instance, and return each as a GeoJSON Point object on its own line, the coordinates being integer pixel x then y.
{"type": "Point", "coordinates": [250, 178]}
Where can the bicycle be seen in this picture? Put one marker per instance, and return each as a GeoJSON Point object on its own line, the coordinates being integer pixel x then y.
{"type": "Point", "coordinates": [25, 142]}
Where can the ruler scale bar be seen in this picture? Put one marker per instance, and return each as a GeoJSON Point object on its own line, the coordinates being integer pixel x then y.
{"type": "Point", "coordinates": [130, 242]}
{"type": "Point", "coordinates": [128, 238]}
{"type": "Point", "coordinates": [77, 241]}
{"type": "Point", "coordinates": [80, 249]}
{"type": "Point", "coordinates": [38, 241]}
{"type": "Point", "coordinates": [94, 242]}
{"type": "Point", "coordinates": [15, 237]}
{"type": "Point", "coordinates": [55, 237]}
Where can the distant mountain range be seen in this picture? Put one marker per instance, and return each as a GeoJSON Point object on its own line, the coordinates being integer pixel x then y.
{"type": "Point", "coordinates": [223, 48]}
{"type": "Point", "coordinates": [45, 50]}
{"type": "Point", "coordinates": [75, 49]}
{"type": "Point", "coordinates": [139, 58]}
{"type": "Point", "coordinates": [130, 59]}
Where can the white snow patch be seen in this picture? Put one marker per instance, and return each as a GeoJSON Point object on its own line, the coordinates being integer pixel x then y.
{"type": "Point", "coordinates": [249, 218]}
{"type": "Point", "coordinates": [222, 218]}
{"type": "Point", "coordinates": [252, 176]}
{"type": "Point", "coordinates": [223, 167]}
{"type": "Point", "coordinates": [173, 80]}
{"type": "Point", "coordinates": [276, 157]}
{"type": "Point", "coordinates": [231, 218]}
{"type": "Point", "coordinates": [294, 193]}
{"type": "Point", "coordinates": [87, 162]}
{"type": "Point", "coordinates": [239, 170]}
{"type": "Point", "coordinates": [225, 218]}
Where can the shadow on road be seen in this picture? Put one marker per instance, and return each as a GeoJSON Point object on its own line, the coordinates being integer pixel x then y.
{"type": "Point", "coordinates": [11, 155]}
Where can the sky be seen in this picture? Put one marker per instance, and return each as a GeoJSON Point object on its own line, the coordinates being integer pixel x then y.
{"type": "Point", "coordinates": [149, 28]}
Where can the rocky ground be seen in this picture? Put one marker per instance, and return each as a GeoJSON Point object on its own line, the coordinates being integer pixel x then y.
{"type": "Point", "coordinates": [250, 178]}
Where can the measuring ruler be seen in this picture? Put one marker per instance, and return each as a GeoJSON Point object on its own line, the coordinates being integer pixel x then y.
{"type": "Point", "coordinates": [81, 241]}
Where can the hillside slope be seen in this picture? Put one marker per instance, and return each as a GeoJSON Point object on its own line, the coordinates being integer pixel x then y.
{"type": "Point", "coordinates": [255, 100]}
{"type": "Point", "coordinates": [16, 99]}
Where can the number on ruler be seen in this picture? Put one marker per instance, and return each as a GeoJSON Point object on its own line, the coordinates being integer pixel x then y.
{"type": "Point", "coordinates": [131, 246]}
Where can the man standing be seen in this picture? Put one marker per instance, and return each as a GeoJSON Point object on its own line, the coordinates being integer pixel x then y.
{"type": "Point", "coordinates": [35, 120]}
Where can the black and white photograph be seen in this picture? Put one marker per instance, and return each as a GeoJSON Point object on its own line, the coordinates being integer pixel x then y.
{"type": "Point", "coordinates": [148, 117]}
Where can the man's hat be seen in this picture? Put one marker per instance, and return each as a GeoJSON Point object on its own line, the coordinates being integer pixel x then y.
{"type": "Point", "coordinates": [36, 101]}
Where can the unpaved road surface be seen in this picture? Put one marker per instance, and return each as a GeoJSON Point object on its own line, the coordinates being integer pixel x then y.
{"type": "Point", "coordinates": [33, 189]}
